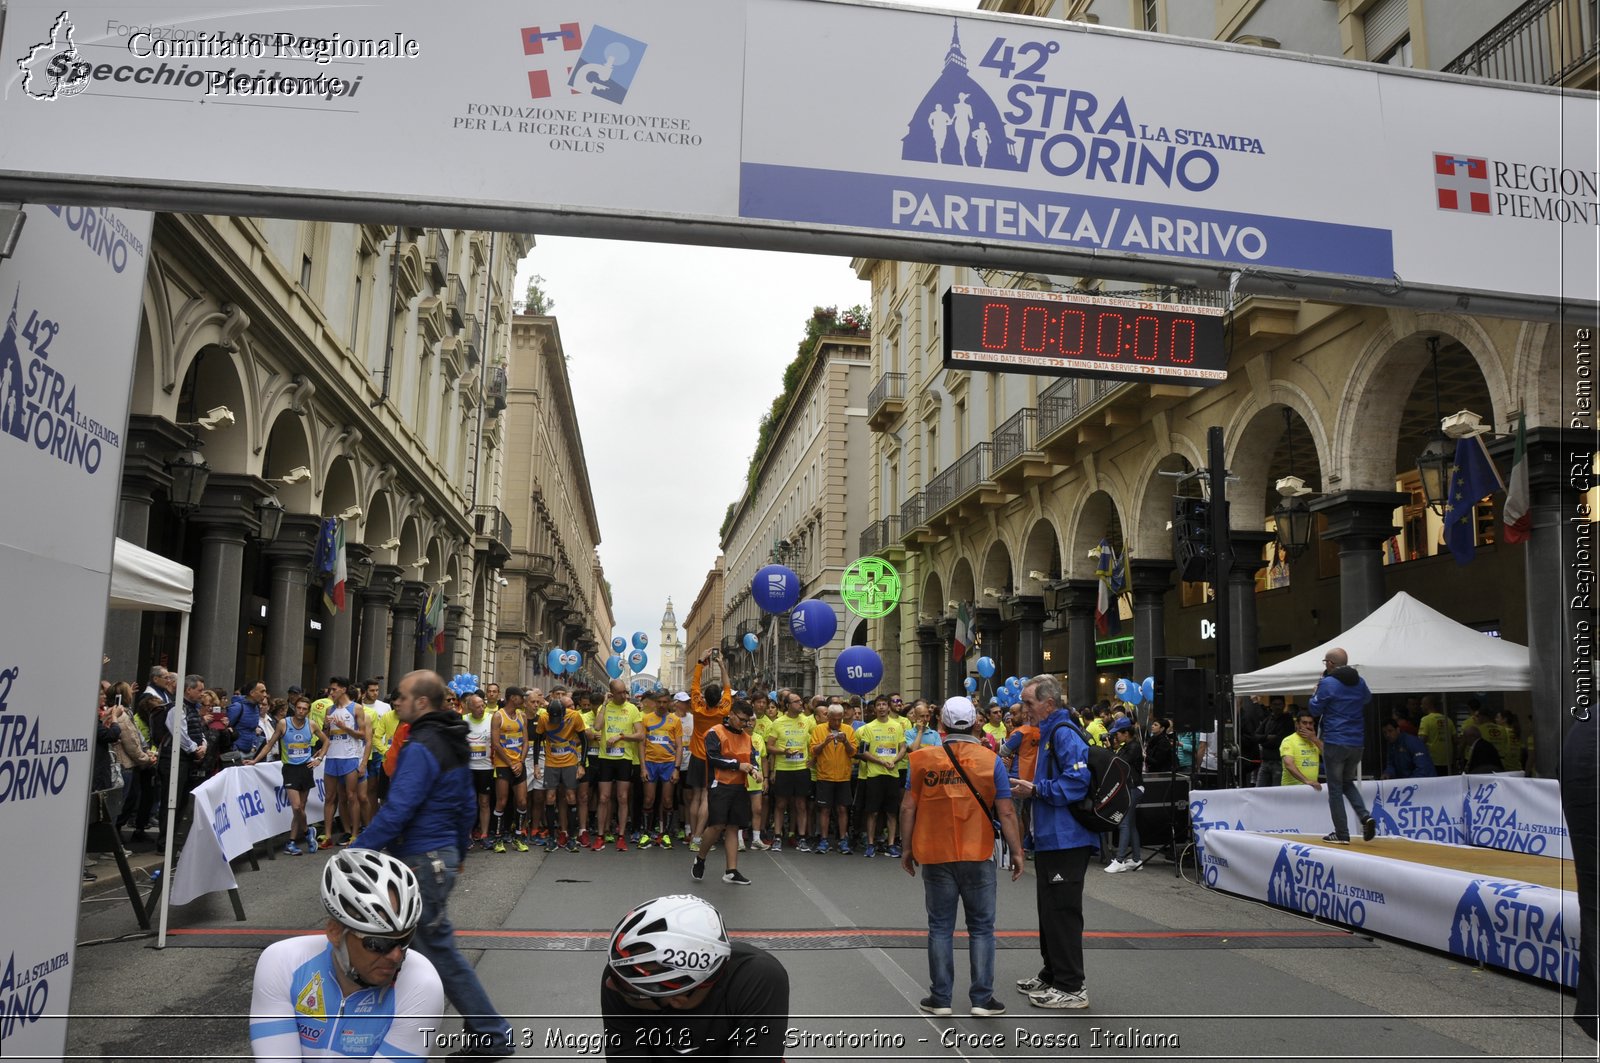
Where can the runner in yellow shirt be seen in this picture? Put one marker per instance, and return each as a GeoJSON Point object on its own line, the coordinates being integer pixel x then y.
{"type": "Point", "coordinates": [879, 745]}
{"type": "Point", "coordinates": [562, 728]}
{"type": "Point", "coordinates": [619, 723]}
{"type": "Point", "coordinates": [508, 749]}
{"type": "Point", "coordinates": [757, 785]}
{"type": "Point", "coordinates": [833, 750]}
{"type": "Point", "coordinates": [1302, 753]}
{"type": "Point", "coordinates": [663, 742]}
{"type": "Point", "coordinates": [791, 775]}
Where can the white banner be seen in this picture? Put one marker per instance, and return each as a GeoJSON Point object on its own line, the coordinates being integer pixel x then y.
{"type": "Point", "coordinates": [1156, 155]}
{"type": "Point", "coordinates": [235, 809]}
{"type": "Point", "coordinates": [1517, 814]}
{"type": "Point", "coordinates": [69, 300]}
{"type": "Point", "coordinates": [1515, 925]}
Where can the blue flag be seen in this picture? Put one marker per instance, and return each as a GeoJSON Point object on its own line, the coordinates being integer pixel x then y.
{"type": "Point", "coordinates": [1471, 479]}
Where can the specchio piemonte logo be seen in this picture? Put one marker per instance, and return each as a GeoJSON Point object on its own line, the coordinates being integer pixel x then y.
{"type": "Point", "coordinates": [54, 69]}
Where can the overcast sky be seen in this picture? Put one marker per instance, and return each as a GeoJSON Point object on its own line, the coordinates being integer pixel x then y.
{"type": "Point", "coordinates": [674, 353]}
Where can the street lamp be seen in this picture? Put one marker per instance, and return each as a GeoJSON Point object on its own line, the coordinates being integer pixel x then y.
{"type": "Point", "coordinates": [269, 514]}
{"type": "Point", "coordinates": [190, 474]}
{"type": "Point", "coordinates": [1292, 519]}
{"type": "Point", "coordinates": [1435, 463]}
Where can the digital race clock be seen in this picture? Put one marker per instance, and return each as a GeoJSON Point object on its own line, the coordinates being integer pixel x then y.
{"type": "Point", "coordinates": [1067, 334]}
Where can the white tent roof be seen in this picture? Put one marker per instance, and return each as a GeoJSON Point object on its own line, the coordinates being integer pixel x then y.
{"type": "Point", "coordinates": [1404, 647]}
{"type": "Point", "coordinates": [142, 580]}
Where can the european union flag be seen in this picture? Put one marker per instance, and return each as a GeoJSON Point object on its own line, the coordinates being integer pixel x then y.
{"type": "Point", "coordinates": [1471, 479]}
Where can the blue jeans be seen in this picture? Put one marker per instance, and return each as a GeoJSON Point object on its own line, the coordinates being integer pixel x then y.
{"type": "Point", "coordinates": [1128, 846]}
{"type": "Point", "coordinates": [1341, 764]}
{"type": "Point", "coordinates": [972, 883]}
{"type": "Point", "coordinates": [436, 940]}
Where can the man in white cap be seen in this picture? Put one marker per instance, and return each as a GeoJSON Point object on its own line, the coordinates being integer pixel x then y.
{"type": "Point", "coordinates": [958, 797]}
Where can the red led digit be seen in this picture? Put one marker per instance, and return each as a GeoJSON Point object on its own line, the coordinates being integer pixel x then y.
{"type": "Point", "coordinates": [997, 315]}
{"type": "Point", "coordinates": [1112, 321]}
{"type": "Point", "coordinates": [1072, 319]}
{"type": "Point", "coordinates": [1036, 318]}
{"type": "Point", "coordinates": [1181, 343]}
{"type": "Point", "coordinates": [1146, 331]}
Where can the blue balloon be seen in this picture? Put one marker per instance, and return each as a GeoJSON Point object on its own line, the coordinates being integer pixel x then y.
{"type": "Point", "coordinates": [986, 667]}
{"type": "Point", "coordinates": [1148, 687]}
{"type": "Point", "coordinates": [1016, 683]}
{"type": "Point", "coordinates": [574, 662]}
{"type": "Point", "coordinates": [813, 623]}
{"type": "Point", "coordinates": [772, 695]}
{"type": "Point", "coordinates": [750, 641]}
{"type": "Point", "coordinates": [640, 640]}
{"type": "Point", "coordinates": [859, 669]}
{"type": "Point", "coordinates": [553, 660]}
{"type": "Point", "coordinates": [775, 589]}
{"type": "Point", "coordinates": [970, 684]}
{"type": "Point", "coordinates": [619, 644]}
{"type": "Point", "coordinates": [1123, 687]}
{"type": "Point", "coordinates": [614, 666]}
{"type": "Point", "coordinates": [637, 660]}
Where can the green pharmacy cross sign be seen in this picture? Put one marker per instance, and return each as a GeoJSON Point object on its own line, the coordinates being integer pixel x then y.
{"type": "Point", "coordinates": [870, 587]}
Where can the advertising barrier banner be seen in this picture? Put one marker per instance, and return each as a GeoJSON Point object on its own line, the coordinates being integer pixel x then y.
{"type": "Point", "coordinates": [234, 810]}
{"type": "Point", "coordinates": [1099, 150]}
{"type": "Point", "coordinates": [69, 302]}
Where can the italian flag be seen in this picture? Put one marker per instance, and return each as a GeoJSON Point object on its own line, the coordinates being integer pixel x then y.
{"type": "Point", "coordinates": [1518, 525]}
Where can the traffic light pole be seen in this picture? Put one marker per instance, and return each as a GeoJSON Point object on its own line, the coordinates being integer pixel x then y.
{"type": "Point", "coordinates": [1222, 591]}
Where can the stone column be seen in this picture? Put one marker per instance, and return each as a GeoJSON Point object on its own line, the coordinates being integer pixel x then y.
{"type": "Point", "coordinates": [1244, 636]}
{"type": "Point", "coordinates": [403, 637]}
{"type": "Point", "coordinates": [929, 644]}
{"type": "Point", "coordinates": [225, 519]}
{"type": "Point", "coordinates": [1030, 613]}
{"type": "Point", "coordinates": [1559, 556]}
{"type": "Point", "coordinates": [149, 443]}
{"type": "Point", "coordinates": [1150, 579]}
{"type": "Point", "coordinates": [335, 651]}
{"type": "Point", "coordinates": [991, 641]}
{"type": "Point", "coordinates": [454, 623]}
{"type": "Point", "coordinates": [1359, 521]}
{"type": "Point", "coordinates": [290, 555]}
{"type": "Point", "coordinates": [954, 671]}
{"type": "Point", "coordinates": [1081, 596]}
{"type": "Point", "coordinates": [375, 600]}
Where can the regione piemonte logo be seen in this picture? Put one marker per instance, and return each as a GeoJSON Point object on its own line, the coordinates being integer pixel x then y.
{"type": "Point", "coordinates": [54, 69]}
{"type": "Point", "coordinates": [1462, 183]}
{"type": "Point", "coordinates": [604, 66]}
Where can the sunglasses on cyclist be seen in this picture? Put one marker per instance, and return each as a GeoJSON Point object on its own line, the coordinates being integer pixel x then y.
{"type": "Point", "coordinates": [381, 946]}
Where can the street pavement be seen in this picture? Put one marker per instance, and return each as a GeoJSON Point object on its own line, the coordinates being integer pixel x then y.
{"type": "Point", "coordinates": [1174, 970]}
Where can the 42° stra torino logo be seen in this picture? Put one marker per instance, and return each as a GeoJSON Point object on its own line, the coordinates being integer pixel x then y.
{"type": "Point", "coordinates": [54, 69]}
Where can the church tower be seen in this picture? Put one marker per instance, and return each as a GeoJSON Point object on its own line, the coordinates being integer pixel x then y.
{"type": "Point", "coordinates": [670, 651]}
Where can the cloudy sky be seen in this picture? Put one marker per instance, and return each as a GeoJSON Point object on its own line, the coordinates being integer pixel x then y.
{"type": "Point", "coordinates": [675, 352]}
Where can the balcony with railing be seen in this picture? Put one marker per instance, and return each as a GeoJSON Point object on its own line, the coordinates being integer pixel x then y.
{"type": "Point", "coordinates": [1543, 42]}
{"type": "Point", "coordinates": [499, 385]}
{"type": "Point", "coordinates": [886, 401]}
{"type": "Point", "coordinates": [439, 264]}
{"type": "Point", "coordinates": [911, 515]}
{"type": "Point", "coordinates": [1058, 406]}
{"type": "Point", "coordinates": [1018, 462]}
{"type": "Point", "coordinates": [541, 570]}
{"type": "Point", "coordinates": [492, 535]}
{"type": "Point", "coordinates": [881, 537]}
{"type": "Point", "coordinates": [958, 482]}
{"type": "Point", "coordinates": [472, 339]}
{"type": "Point", "coordinates": [457, 301]}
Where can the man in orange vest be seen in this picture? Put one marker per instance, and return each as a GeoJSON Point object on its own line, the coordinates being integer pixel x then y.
{"type": "Point", "coordinates": [956, 796]}
{"type": "Point", "coordinates": [731, 760]}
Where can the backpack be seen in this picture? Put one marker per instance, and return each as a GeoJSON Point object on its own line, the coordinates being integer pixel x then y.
{"type": "Point", "coordinates": [1110, 797]}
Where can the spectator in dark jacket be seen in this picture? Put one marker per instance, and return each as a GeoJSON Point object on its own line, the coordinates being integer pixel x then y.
{"type": "Point", "coordinates": [1276, 725]}
{"type": "Point", "coordinates": [1404, 755]}
{"type": "Point", "coordinates": [1341, 705]}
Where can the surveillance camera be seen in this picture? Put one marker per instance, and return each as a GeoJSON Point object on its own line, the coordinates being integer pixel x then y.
{"type": "Point", "coordinates": [502, 581]}
{"type": "Point", "coordinates": [389, 544]}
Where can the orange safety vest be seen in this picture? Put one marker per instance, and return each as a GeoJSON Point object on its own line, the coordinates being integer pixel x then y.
{"type": "Point", "coordinates": [951, 826]}
{"type": "Point", "coordinates": [392, 758]}
{"type": "Point", "coordinates": [736, 747]}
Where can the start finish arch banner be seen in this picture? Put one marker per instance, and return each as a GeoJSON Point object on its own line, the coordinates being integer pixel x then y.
{"type": "Point", "coordinates": [979, 138]}
{"type": "Point", "coordinates": [70, 313]}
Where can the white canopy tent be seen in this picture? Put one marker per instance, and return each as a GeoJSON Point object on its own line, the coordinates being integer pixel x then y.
{"type": "Point", "coordinates": [150, 583]}
{"type": "Point", "coordinates": [1404, 646]}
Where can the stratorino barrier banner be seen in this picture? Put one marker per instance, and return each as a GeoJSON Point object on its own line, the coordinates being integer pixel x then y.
{"type": "Point", "coordinates": [1518, 926]}
{"type": "Point", "coordinates": [234, 810]}
{"type": "Point", "coordinates": [984, 134]}
{"type": "Point", "coordinates": [69, 313]}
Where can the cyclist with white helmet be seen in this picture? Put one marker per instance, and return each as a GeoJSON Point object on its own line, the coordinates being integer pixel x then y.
{"type": "Point", "coordinates": [357, 993]}
{"type": "Point", "coordinates": [674, 986]}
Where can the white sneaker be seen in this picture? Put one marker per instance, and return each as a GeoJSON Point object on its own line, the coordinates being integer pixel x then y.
{"type": "Point", "coordinates": [758, 845]}
{"type": "Point", "coordinates": [1056, 999]}
{"type": "Point", "coordinates": [1133, 865]}
{"type": "Point", "coordinates": [1115, 866]}
{"type": "Point", "coordinates": [741, 841]}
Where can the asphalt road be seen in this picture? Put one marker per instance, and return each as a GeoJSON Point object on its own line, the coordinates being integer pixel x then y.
{"type": "Point", "coordinates": [1174, 969]}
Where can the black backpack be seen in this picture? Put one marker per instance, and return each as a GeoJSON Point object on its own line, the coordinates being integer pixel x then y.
{"type": "Point", "coordinates": [1110, 797]}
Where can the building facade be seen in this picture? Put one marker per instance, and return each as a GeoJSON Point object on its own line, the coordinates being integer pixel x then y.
{"type": "Point", "coordinates": [556, 595]}
{"type": "Point", "coordinates": [805, 508]}
{"type": "Point", "coordinates": [318, 370]}
{"type": "Point", "coordinates": [997, 490]}
{"type": "Point", "coordinates": [669, 651]}
{"type": "Point", "coordinates": [702, 627]}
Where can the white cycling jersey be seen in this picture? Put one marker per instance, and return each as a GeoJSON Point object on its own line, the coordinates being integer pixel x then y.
{"type": "Point", "coordinates": [297, 1010]}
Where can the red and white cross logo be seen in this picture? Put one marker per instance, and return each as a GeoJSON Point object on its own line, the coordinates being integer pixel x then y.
{"type": "Point", "coordinates": [570, 37]}
{"type": "Point", "coordinates": [1462, 183]}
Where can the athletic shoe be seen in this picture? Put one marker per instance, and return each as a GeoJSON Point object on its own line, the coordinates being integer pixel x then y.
{"type": "Point", "coordinates": [1335, 838]}
{"type": "Point", "coordinates": [521, 843]}
{"type": "Point", "coordinates": [583, 837]}
{"type": "Point", "coordinates": [572, 845]}
{"type": "Point", "coordinates": [311, 841]}
{"type": "Point", "coordinates": [665, 841]}
{"type": "Point", "coordinates": [292, 849]}
{"type": "Point", "coordinates": [610, 837]}
{"type": "Point", "coordinates": [822, 846]}
{"type": "Point", "coordinates": [872, 850]}
{"type": "Point", "coordinates": [1132, 865]}
{"type": "Point", "coordinates": [697, 870]}
{"type": "Point", "coordinates": [1051, 997]}
{"type": "Point", "coordinates": [1031, 986]}
{"type": "Point", "coordinates": [694, 845]}
{"type": "Point", "coordinates": [803, 847]}
{"type": "Point", "coordinates": [562, 838]}
{"type": "Point", "coordinates": [988, 1009]}
{"type": "Point", "coordinates": [644, 841]}
{"type": "Point", "coordinates": [622, 845]}
{"type": "Point", "coordinates": [683, 833]}
{"type": "Point", "coordinates": [550, 844]}
{"type": "Point", "coordinates": [1369, 829]}
{"type": "Point", "coordinates": [844, 848]}
{"type": "Point", "coordinates": [735, 877]}
{"type": "Point", "coordinates": [777, 843]}
{"type": "Point", "coordinates": [894, 850]}
{"type": "Point", "coordinates": [486, 843]}
{"type": "Point", "coordinates": [499, 845]}
{"type": "Point", "coordinates": [758, 845]}
{"type": "Point", "coordinates": [1115, 867]}
{"type": "Point", "coordinates": [597, 844]}
{"type": "Point", "coordinates": [929, 1005]}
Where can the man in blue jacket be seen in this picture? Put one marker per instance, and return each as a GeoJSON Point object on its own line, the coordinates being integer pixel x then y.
{"type": "Point", "coordinates": [1404, 755]}
{"type": "Point", "coordinates": [1340, 703]}
{"type": "Point", "coordinates": [427, 822]}
{"type": "Point", "coordinates": [1062, 847]}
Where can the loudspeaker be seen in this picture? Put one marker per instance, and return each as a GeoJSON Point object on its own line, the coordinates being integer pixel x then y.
{"type": "Point", "coordinates": [1189, 700]}
{"type": "Point", "coordinates": [1161, 669]}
